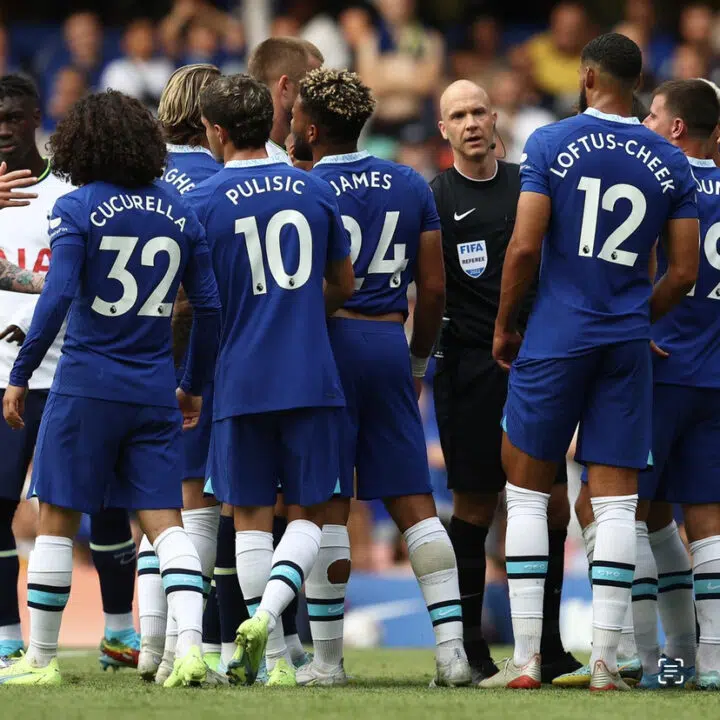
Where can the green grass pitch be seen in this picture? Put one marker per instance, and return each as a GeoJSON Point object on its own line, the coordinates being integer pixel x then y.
{"type": "Point", "coordinates": [387, 685]}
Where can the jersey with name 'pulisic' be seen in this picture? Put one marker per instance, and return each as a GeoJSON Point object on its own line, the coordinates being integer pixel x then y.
{"type": "Point", "coordinates": [272, 230]}
{"type": "Point", "coordinates": [135, 246]}
{"type": "Point", "coordinates": [690, 332]}
{"type": "Point", "coordinates": [385, 207]}
{"type": "Point", "coordinates": [613, 185]}
{"type": "Point", "coordinates": [187, 166]}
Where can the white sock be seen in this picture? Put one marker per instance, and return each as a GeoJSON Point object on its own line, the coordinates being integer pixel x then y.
{"type": "Point", "coordinates": [627, 647]}
{"type": "Point", "coordinates": [644, 602]}
{"type": "Point", "coordinates": [227, 650]}
{"type": "Point", "coordinates": [49, 577]}
{"type": "Point", "coordinates": [292, 560]}
{"type": "Point", "coordinates": [182, 580]}
{"type": "Point", "coordinates": [211, 648]}
{"type": "Point", "coordinates": [11, 632]}
{"type": "Point", "coordinates": [276, 647]}
{"type": "Point", "coordinates": [117, 623]}
{"type": "Point", "coordinates": [675, 593]}
{"type": "Point", "coordinates": [171, 639]}
{"type": "Point", "coordinates": [613, 569]}
{"type": "Point", "coordinates": [326, 601]}
{"type": "Point", "coordinates": [152, 602]}
{"type": "Point", "coordinates": [295, 647]}
{"type": "Point", "coordinates": [706, 567]}
{"type": "Point", "coordinates": [589, 533]}
{"type": "Point", "coordinates": [253, 560]}
{"type": "Point", "coordinates": [201, 525]}
{"type": "Point", "coordinates": [526, 560]}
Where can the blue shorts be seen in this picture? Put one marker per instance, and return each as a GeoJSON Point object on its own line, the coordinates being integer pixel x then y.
{"type": "Point", "coordinates": [18, 445]}
{"type": "Point", "coordinates": [249, 454]}
{"type": "Point", "coordinates": [686, 446]}
{"type": "Point", "coordinates": [607, 391]}
{"type": "Point", "coordinates": [196, 442]}
{"type": "Point", "coordinates": [381, 432]}
{"type": "Point", "coordinates": [92, 454]}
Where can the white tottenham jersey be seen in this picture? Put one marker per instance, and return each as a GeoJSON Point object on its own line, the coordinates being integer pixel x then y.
{"type": "Point", "coordinates": [24, 241]}
{"type": "Point", "coordinates": [275, 151]}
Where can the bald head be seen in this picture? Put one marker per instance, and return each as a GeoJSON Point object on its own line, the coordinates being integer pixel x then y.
{"type": "Point", "coordinates": [462, 91]}
{"type": "Point", "coordinates": [467, 121]}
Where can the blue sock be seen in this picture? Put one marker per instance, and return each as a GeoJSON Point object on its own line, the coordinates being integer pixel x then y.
{"type": "Point", "coordinates": [115, 558]}
{"type": "Point", "coordinates": [289, 615]}
{"type": "Point", "coordinates": [9, 570]}
{"type": "Point", "coordinates": [231, 604]}
{"type": "Point", "coordinates": [211, 619]}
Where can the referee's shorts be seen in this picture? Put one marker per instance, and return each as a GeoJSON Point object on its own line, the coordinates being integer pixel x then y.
{"type": "Point", "coordinates": [470, 390]}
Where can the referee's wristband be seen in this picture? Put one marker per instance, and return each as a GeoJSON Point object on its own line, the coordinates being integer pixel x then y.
{"type": "Point", "coordinates": [419, 365]}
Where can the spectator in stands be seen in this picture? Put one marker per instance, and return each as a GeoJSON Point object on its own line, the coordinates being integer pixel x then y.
{"type": "Point", "coordinates": [688, 63]}
{"type": "Point", "coordinates": [195, 31]}
{"type": "Point", "coordinates": [640, 35]}
{"type": "Point", "coordinates": [481, 60]}
{"type": "Point", "coordinates": [402, 64]}
{"type": "Point", "coordinates": [69, 85]}
{"type": "Point", "coordinates": [516, 119]}
{"type": "Point", "coordinates": [5, 67]}
{"type": "Point", "coordinates": [139, 73]}
{"type": "Point", "coordinates": [357, 29]}
{"type": "Point", "coordinates": [555, 55]}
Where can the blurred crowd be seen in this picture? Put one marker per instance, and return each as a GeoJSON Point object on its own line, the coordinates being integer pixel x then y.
{"type": "Point", "coordinates": [531, 74]}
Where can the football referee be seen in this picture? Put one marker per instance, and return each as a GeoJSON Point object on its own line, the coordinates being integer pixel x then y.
{"type": "Point", "coordinates": [476, 199]}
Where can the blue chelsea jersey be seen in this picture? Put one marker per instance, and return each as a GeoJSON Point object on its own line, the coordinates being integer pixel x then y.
{"type": "Point", "coordinates": [272, 229]}
{"type": "Point", "coordinates": [187, 166]}
{"type": "Point", "coordinates": [613, 186]}
{"type": "Point", "coordinates": [385, 207]}
{"type": "Point", "coordinates": [127, 251]}
{"type": "Point", "coordinates": [690, 332]}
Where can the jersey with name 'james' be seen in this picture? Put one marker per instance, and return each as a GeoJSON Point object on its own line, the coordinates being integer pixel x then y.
{"type": "Point", "coordinates": [613, 185]}
{"type": "Point", "coordinates": [385, 208]}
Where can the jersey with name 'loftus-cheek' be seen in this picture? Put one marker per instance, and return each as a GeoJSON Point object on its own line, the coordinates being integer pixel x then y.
{"type": "Point", "coordinates": [690, 332]}
{"type": "Point", "coordinates": [613, 185]}
{"type": "Point", "coordinates": [385, 208]}
{"type": "Point", "coordinates": [123, 253]}
{"type": "Point", "coordinates": [187, 166]}
{"type": "Point", "coordinates": [272, 229]}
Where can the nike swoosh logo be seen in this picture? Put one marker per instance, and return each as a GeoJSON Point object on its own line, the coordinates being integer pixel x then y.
{"type": "Point", "coordinates": [14, 677]}
{"type": "Point", "coordinates": [54, 222]}
{"type": "Point", "coordinates": [444, 612]}
{"type": "Point", "coordinates": [336, 609]}
{"type": "Point", "coordinates": [713, 587]}
{"type": "Point", "coordinates": [464, 215]}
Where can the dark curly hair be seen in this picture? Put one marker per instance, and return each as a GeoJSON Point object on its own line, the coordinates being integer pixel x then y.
{"type": "Point", "coordinates": [240, 105]}
{"type": "Point", "coordinates": [338, 102]}
{"type": "Point", "coordinates": [108, 137]}
{"type": "Point", "coordinates": [617, 55]}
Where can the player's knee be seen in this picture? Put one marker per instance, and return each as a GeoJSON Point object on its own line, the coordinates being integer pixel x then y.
{"type": "Point", "coordinates": [109, 527]}
{"type": "Point", "coordinates": [433, 556]}
{"type": "Point", "coordinates": [475, 508]}
{"type": "Point", "coordinates": [7, 513]}
{"type": "Point", "coordinates": [338, 572]}
{"type": "Point", "coordinates": [558, 508]}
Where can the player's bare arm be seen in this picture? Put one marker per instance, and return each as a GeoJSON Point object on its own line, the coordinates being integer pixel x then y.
{"type": "Point", "coordinates": [430, 303]}
{"type": "Point", "coordinates": [652, 272]}
{"type": "Point", "coordinates": [682, 249]}
{"type": "Point", "coordinates": [339, 284]}
{"type": "Point", "coordinates": [521, 264]}
{"type": "Point", "coordinates": [16, 279]}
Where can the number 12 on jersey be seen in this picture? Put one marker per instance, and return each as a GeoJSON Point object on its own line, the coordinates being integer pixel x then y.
{"type": "Point", "coordinates": [610, 250]}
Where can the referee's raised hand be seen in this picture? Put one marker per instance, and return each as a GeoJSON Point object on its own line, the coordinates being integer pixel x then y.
{"type": "Point", "coordinates": [10, 182]}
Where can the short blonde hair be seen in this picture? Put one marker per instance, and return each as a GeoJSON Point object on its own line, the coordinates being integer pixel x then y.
{"type": "Point", "coordinates": [179, 110]}
{"type": "Point", "coordinates": [278, 56]}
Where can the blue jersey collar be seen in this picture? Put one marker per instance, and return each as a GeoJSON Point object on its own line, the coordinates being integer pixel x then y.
{"type": "Point", "coordinates": [188, 149]}
{"type": "Point", "coordinates": [254, 162]}
{"type": "Point", "coordinates": [697, 162]}
{"type": "Point", "coordinates": [342, 159]}
{"type": "Point", "coordinates": [612, 118]}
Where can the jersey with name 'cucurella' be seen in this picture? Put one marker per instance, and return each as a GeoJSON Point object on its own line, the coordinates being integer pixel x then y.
{"type": "Point", "coordinates": [613, 185]}
{"type": "Point", "coordinates": [272, 229]}
{"type": "Point", "coordinates": [690, 332]}
{"type": "Point", "coordinates": [121, 254]}
{"type": "Point", "coordinates": [385, 207]}
{"type": "Point", "coordinates": [187, 166]}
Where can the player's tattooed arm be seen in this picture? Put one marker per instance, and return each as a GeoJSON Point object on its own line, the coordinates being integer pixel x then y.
{"type": "Point", "coordinates": [181, 325]}
{"type": "Point", "coordinates": [16, 279]}
{"type": "Point", "coordinates": [522, 260]}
